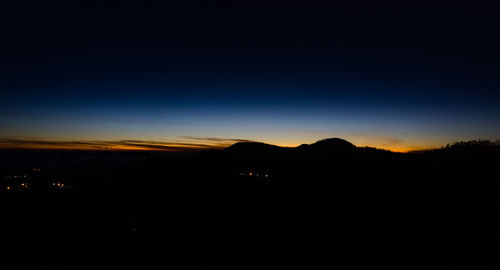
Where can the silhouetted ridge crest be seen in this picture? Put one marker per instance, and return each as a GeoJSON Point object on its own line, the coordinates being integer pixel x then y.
{"type": "Point", "coordinates": [329, 145]}
{"type": "Point", "coordinates": [326, 146]}
{"type": "Point", "coordinates": [252, 147]}
{"type": "Point", "coordinates": [474, 145]}
{"type": "Point", "coordinates": [333, 142]}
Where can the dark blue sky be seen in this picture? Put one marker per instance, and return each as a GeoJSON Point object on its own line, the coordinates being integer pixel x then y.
{"type": "Point", "coordinates": [397, 77]}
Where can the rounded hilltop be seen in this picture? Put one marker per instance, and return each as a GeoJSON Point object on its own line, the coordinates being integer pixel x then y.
{"type": "Point", "coordinates": [334, 142]}
{"type": "Point", "coordinates": [329, 145]}
{"type": "Point", "coordinates": [254, 146]}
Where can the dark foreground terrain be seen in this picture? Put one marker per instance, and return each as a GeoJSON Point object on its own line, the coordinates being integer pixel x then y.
{"type": "Point", "coordinates": [252, 205]}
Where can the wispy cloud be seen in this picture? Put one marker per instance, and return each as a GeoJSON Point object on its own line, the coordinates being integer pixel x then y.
{"type": "Point", "coordinates": [203, 143]}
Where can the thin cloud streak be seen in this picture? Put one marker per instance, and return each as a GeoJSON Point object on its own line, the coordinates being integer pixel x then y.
{"type": "Point", "coordinates": [215, 139]}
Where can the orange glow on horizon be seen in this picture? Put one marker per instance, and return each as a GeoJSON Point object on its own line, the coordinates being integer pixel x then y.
{"type": "Point", "coordinates": [398, 149]}
{"type": "Point", "coordinates": [96, 148]}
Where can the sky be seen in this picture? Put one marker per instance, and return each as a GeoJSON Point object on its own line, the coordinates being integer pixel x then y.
{"type": "Point", "coordinates": [196, 75]}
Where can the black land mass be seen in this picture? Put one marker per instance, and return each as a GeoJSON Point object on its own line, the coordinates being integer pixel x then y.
{"type": "Point", "coordinates": [255, 205]}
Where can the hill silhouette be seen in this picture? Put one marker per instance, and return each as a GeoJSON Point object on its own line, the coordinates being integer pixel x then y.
{"type": "Point", "coordinates": [331, 144]}
{"type": "Point", "coordinates": [253, 148]}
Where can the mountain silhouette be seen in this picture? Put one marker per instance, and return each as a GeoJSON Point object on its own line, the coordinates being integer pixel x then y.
{"type": "Point", "coordinates": [329, 145]}
{"type": "Point", "coordinates": [325, 145]}
{"type": "Point", "coordinates": [252, 147]}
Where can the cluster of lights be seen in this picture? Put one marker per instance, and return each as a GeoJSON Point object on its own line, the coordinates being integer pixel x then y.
{"type": "Point", "coordinates": [254, 174]}
{"type": "Point", "coordinates": [17, 187]}
{"type": "Point", "coordinates": [60, 185]}
{"type": "Point", "coordinates": [27, 186]}
{"type": "Point", "coordinates": [22, 186]}
{"type": "Point", "coordinates": [16, 176]}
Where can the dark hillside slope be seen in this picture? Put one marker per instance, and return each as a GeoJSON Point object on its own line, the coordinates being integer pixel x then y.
{"type": "Point", "coordinates": [327, 203]}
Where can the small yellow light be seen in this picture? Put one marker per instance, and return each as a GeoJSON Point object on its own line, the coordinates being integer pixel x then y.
{"type": "Point", "coordinates": [8, 188]}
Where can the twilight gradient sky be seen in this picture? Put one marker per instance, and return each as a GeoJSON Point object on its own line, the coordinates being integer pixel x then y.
{"type": "Point", "coordinates": [202, 75]}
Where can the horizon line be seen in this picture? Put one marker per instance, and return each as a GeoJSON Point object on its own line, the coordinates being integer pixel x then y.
{"type": "Point", "coordinates": [145, 145]}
